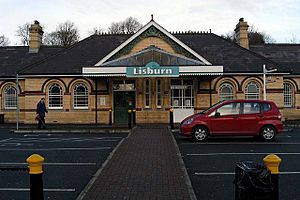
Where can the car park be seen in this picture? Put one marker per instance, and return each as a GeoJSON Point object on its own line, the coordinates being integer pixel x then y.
{"type": "Point", "coordinates": [235, 118]}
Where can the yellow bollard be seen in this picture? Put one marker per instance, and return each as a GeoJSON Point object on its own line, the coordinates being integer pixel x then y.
{"type": "Point", "coordinates": [35, 164]}
{"type": "Point", "coordinates": [272, 162]}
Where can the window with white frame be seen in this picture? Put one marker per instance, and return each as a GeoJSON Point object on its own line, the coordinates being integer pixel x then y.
{"type": "Point", "coordinates": [182, 94]}
{"type": "Point", "coordinates": [226, 91]}
{"type": "Point", "coordinates": [252, 91]}
{"type": "Point", "coordinates": [288, 95]}
{"type": "Point", "coordinates": [158, 93]}
{"type": "Point", "coordinates": [81, 97]}
{"type": "Point", "coordinates": [147, 93]}
{"type": "Point", "coordinates": [55, 96]}
{"type": "Point", "coordinates": [10, 97]}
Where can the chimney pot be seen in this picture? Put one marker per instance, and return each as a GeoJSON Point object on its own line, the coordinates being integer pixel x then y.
{"type": "Point", "coordinates": [241, 32]}
{"type": "Point", "coordinates": [35, 37]}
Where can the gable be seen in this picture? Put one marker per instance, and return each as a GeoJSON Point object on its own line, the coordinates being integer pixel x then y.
{"type": "Point", "coordinates": [152, 34]}
{"type": "Point", "coordinates": [153, 54]}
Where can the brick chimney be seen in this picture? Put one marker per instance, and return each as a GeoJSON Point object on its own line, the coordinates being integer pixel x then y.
{"type": "Point", "coordinates": [35, 37]}
{"type": "Point", "coordinates": [241, 32]}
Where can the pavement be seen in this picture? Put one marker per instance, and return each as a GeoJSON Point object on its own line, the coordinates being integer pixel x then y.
{"type": "Point", "coordinates": [142, 167]}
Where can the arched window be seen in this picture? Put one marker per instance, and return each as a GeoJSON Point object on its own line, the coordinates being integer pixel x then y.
{"type": "Point", "coordinates": [81, 97]}
{"type": "Point", "coordinates": [158, 93]}
{"type": "Point", "coordinates": [252, 91]}
{"type": "Point", "coordinates": [147, 93]}
{"type": "Point", "coordinates": [55, 97]}
{"type": "Point", "coordinates": [10, 97]}
{"type": "Point", "coordinates": [288, 95]}
{"type": "Point", "coordinates": [226, 91]}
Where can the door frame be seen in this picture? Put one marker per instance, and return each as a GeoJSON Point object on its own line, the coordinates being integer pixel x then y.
{"type": "Point", "coordinates": [113, 95]}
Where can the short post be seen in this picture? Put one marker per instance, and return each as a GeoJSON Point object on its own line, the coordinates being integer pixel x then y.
{"type": "Point", "coordinates": [272, 162]}
{"type": "Point", "coordinates": [110, 117]}
{"type": "Point", "coordinates": [171, 119]}
{"type": "Point", "coordinates": [129, 119]}
{"type": "Point", "coordinates": [134, 117]}
{"type": "Point", "coordinates": [35, 164]}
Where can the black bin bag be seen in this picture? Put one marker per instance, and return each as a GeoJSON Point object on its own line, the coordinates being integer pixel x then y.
{"type": "Point", "coordinates": [252, 181]}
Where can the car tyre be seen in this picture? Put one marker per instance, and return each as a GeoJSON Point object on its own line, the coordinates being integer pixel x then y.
{"type": "Point", "coordinates": [268, 133]}
{"type": "Point", "coordinates": [200, 133]}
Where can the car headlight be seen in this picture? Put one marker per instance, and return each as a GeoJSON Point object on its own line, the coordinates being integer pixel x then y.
{"type": "Point", "coordinates": [188, 121]}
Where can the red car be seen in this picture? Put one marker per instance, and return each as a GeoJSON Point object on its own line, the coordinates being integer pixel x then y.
{"type": "Point", "coordinates": [235, 118]}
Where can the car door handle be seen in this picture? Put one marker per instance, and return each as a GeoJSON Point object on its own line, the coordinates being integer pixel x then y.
{"type": "Point", "coordinates": [235, 116]}
{"type": "Point", "coordinates": [260, 116]}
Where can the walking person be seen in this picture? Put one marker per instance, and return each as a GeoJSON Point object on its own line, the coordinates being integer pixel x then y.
{"type": "Point", "coordinates": [40, 113]}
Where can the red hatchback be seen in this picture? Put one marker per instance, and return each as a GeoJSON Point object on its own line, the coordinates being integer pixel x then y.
{"type": "Point", "coordinates": [235, 118]}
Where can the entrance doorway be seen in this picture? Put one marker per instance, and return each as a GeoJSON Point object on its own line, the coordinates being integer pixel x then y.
{"type": "Point", "coordinates": [182, 99]}
{"type": "Point", "coordinates": [124, 100]}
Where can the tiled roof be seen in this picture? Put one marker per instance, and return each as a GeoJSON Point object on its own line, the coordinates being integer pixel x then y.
{"type": "Point", "coordinates": [89, 51]}
{"type": "Point", "coordinates": [284, 54]}
{"type": "Point", "coordinates": [14, 58]}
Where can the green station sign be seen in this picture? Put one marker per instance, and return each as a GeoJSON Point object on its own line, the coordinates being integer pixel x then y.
{"type": "Point", "coordinates": [153, 69]}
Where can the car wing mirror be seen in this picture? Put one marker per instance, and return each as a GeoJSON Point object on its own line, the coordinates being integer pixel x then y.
{"type": "Point", "coordinates": [217, 114]}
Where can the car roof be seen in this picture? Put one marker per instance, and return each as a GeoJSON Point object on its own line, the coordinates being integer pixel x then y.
{"type": "Point", "coordinates": [247, 100]}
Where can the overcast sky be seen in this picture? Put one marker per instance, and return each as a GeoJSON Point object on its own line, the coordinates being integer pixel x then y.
{"type": "Point", "coordinates": [280, 19]}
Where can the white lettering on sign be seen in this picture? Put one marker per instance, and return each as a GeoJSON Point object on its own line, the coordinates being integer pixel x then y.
{"type": "Point", "coordinates": [148, 70]}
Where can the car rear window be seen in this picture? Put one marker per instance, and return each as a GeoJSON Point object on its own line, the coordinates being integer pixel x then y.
{"type": "Point", "coordinates": [266, 107]}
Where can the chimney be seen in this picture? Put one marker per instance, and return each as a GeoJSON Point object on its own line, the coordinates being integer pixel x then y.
{"type": "Point", "coordinates": [241, 32]}
{"type": "Point", "coordinates": [35, 37]}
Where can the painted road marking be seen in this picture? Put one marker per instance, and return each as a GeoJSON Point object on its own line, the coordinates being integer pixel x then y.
{"type": "Point", "coordinates": [49, 140]}
{"type": "Point", "coordinates": [232, 153]}
{"type": "Point", "coordinates": [232, 173]}
{"type": "Point", "coordinates": [45, 189]}
{"type": "Point", "coordinates": [59, 149]}
{"type": "Point", "coordinates": [243, 143]}
{"type": "Point", "coordinates": [62, 164]}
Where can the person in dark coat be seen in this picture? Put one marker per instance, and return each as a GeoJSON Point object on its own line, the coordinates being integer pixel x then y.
{"type": "Point", "coordinates": [40, 113]}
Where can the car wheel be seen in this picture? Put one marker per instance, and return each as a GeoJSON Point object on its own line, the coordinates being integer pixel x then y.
{"type": "Point", "coordinates": [268, 133]}
{"type": "Point", "coordinates": [200, 133]}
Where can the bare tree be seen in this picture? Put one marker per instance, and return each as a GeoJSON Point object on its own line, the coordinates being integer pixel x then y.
{"type": "Point", "coordinates": [294, 39]}
{"type": "Point", "coordinates": [23, 33]}
{"type": "Point", "coordinates": [4, 41]}
{"type": "Point", "coordinates": [128, 26]}
{"type": "Point", "coordinates": [254, 36]}
{"type": "Point", "coordinates": [66, 34]}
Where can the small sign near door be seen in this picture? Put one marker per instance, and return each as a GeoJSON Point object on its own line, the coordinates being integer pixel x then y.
{"type": "Point", "coordinates": [102, 101]}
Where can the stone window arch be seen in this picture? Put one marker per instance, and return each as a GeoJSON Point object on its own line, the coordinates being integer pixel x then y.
{"type": "Point", "coordinates": [288, 95]}
{"type": "Point", "coordinates": [226, 91]}
{"type": "Point", "coordinates": [10, 97]}
{"type": "Point", "coordinates": [252, 90]}
{"type": "Point", "coordinates": [80, 96]}
{"type": "Point", "coordinates": [55, 96]}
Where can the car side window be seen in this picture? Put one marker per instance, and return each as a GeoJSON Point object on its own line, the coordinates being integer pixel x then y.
{"type": "Point", "coordinates": [229, 109]}
{"type": "Point", "coordinates": [266, 107]}
{"type": "Point", "coordinates": [251, 108]}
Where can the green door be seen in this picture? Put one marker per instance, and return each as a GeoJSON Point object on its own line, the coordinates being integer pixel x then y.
{"type": "Point", "coordinates": [123, 101]}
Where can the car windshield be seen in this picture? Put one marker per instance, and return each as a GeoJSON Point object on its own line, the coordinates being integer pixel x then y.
{"type": "Point", "coordinates": [212, 107]}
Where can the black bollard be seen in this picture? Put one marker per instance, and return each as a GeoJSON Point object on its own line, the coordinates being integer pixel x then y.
{"type": "Point", "coordinates": [171, 119]}
{"type": "Point", "coordinates": [272, 162]}
{"type": "Point", "coordinates": [35, 163]}
{"type": "Point", "coordinates": [129, 119]}
{"type": "Point", "coordinates": [110, 117]}
{"type": "Point", "coordinates": [134, 117]}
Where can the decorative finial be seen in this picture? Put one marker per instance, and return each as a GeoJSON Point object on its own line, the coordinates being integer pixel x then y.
{"type": "Point", "coordinates": [151, 17]}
